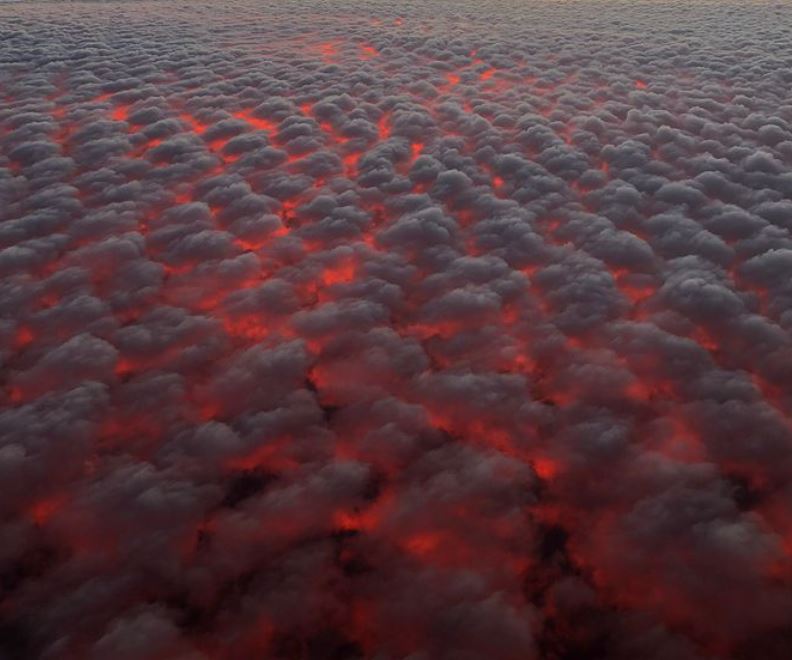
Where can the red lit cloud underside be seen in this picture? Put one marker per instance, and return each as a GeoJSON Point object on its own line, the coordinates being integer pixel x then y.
{"type": "Point", "coordinates": [394, 335]}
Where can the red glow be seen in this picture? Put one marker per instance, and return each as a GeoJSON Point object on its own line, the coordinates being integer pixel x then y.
{"type": "Point", "coordinates": [383, 126]}
{"type": "Point", "coordinates": [545, 468]}
{"type": "Point", "coordinates": [486, 75]}
{"type": "Point", "coordinates": [351, 161]}
{"type": "Point", "coordinates": [24, 336]}
{"type": "Point", "coordinates": [423, 544]}
{"type": "Point", "coordinates": [366, 519]}
{"type": "Point", "coordinates": [257, 122]}
{"type": "Point", "coordinates": [49, 300]}
{"type": "Point", "coordinates": [329, 50]}
{"type": "Point", "coordinates": [635, 291]}
{"type": "Point", "coordinates": [311, 399]}
{"type": "Point", "coordinates": [120, 113]}
{"type": "Point", "coordinates": [193, 124]}
{"type": "Point", "coordinates": [43, 510]}
{"type": "Point", "coordinates": [368, 52]}
{"type": "Point", "coordinates": [272, 455]}
{"type": "Point", "coordinates": [147, 146]}
{"type": "Point", "coordinates": [250, 328]}
{"type": "Point", "coordinates": [705, 339]}
{"type": "Point", "coordinates": [339, 274]}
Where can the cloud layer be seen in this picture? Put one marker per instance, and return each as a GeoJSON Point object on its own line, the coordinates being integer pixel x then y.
{"type": "Point", "coordinates": [355, 331]}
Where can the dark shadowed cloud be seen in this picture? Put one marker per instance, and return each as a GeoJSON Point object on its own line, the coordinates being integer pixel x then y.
{"type": "Point", "coordinates": [395, 330]}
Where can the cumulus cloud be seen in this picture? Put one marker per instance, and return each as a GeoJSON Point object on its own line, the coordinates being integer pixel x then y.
{"type": "Point", "coordinates": [365, 331]}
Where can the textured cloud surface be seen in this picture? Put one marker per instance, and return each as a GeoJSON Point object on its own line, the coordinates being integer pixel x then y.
{"type": "Point", "coordinates": [384, 330]}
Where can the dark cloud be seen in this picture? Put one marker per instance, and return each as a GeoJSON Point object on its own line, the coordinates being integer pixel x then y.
{"type": "Point", "coordinates": [378, 331]}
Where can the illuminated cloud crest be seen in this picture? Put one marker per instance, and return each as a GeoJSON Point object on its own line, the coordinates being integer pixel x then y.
{"type": "Point", "coordinates": [356, 332]}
